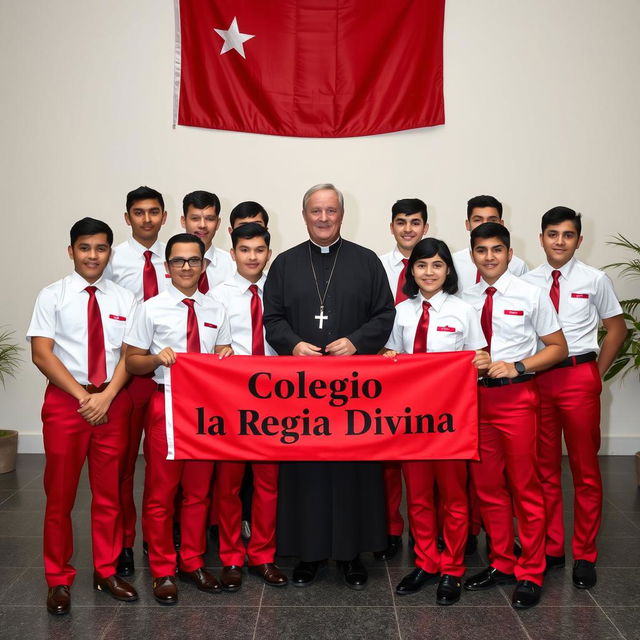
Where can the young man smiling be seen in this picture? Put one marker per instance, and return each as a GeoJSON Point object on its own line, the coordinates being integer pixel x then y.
{"type": "Point", "coordinates": [570, 391]}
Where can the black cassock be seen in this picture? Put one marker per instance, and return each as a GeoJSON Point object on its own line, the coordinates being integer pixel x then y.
{"type": "Point", "coordinates": [329, 509]}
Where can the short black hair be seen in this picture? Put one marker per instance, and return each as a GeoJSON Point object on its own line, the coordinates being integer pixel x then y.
{"type": "Point", "coordinates": [143, 193]}
{"type": "Point", "coordinates": [408, 206]}
{"type": "Point", "coordinates": [427, 248]}
{"type": "Point", "coordinates": [200, 200]}
{"type": "Point", "coordinates": [248, 231]}
{"type": "Point", "coordinates": [90, 227]}
{"type": "Point", "coordinates": [183, 237]}
{"type": "Point", "coordinates": [558, 215]}
{"type": "Point", "coordinates": [479, 202]}
{"type": "Point", "coordinates": [491, 230]}
{"type": "Point", "coordinates": [248, 209]}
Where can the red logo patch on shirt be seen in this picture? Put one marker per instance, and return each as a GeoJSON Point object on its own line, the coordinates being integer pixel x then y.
{"type": "Point", "coordinates": [580, 295]}
{"type": "Point", "coordinates": [513, 312]}
{"type": "Point", "coordinates": [211, 326]}
{"type": "Point", "coordinates": [121, 318]}
{"type": "Point", "coordinates": [166, 275]}
{"type": "Point", "coordinates": [447, 329]}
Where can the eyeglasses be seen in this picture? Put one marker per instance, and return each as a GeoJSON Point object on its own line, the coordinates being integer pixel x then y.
{"type": "Point", "coordinates": [178, 263]}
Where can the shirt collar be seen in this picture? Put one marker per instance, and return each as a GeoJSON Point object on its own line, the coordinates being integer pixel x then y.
{"type": "Point", "coordinates": [565, 269]}
{"type": "Point", "coordinates": [210, 255]}
{"type": "Point", "coordinates": [155, 248]}
{"type": "Point", "coordinates": [244, 284]}
{"type": "Point", "coordinates": [80, 284]}
{"type": "Point", "coordinates": [436, 301]}
{"type": "Point", "coordinates": [501, 285]}
{"type": "Point", "coordinates": [397, 256]}
{"type": "Point", "coordinates": [329, 248]}
{"type": "Point", "coordinates": [177, 296]}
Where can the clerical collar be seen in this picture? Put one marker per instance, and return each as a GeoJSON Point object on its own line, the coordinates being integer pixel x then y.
{"type": "Point", "coordinates": [328, 248]}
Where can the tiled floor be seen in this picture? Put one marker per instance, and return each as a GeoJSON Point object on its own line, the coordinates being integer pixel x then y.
{"type": "Point", "coordinates": [327, 609]}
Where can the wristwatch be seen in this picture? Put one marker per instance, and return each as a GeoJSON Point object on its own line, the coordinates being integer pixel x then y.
{"type": "Point", "coordinates": [520, 368]}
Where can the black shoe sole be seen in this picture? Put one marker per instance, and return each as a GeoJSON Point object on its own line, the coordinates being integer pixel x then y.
{"type": "Point", "coordinates": [445, 602]}
{"type": "Point", "coordinates": [584, 586]}
{"type": "Point", "coordinates": [520, 606]}
{"type": "Point", "coordinates": [165, 603]}
{"type": "Point", "coordinates": [53, 612]}
{"type": "Point", "coordinates": [495, 584]}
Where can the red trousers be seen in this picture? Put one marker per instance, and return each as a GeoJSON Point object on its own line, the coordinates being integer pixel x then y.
{"type": "Point", "coordinates": [68, 441]}
{"type": "Point", "coordinates": [506, 478]}
{"type": "Point", "coordinates": [140, 390]}
{"type": "Point", "coordinates": [393, 496]}
{"type": "Point", "coordinates": [570, 403]}
{"type": "Point", "coordinates": [262, 545]}
{"type": "Point", "coordinates": [161, 482]}
{"type": "Point", "coordinates": [450, 476]}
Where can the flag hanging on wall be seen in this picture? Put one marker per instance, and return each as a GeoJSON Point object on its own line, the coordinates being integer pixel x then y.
{"type": "Point", "coordinates": [311, 68]}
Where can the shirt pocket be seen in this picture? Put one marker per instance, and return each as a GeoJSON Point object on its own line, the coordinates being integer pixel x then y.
{"type": "Point", "coordinates": [577, 307]}
{"type": "Point", "coordinates": [513, 324]}
{"type": "Point", "coordinates": [446, 338]}
{"type": "Point", "coordinates": [208, 335]}
{"type": "Point", "coordinates": [114, 326]}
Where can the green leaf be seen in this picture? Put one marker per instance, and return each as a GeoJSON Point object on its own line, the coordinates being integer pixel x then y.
{"type": "Point", "coordinates": [616, 367]}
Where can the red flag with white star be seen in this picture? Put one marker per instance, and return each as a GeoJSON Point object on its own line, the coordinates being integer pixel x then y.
{"type": "Point", "coordinates": [309, 68]}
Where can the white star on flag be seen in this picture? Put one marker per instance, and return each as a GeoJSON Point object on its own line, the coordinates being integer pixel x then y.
{"type": "Point", "coordinates": [233, 39]}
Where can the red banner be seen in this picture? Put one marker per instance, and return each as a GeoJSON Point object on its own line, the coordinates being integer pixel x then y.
{"type": "Point", "coordinates": [309, 67]}
{"type": "Point", "coordinates": [417, 407]}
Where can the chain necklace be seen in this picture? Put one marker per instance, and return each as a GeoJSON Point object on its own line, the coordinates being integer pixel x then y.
{"type": "Point", "coordinates": [321, 297]}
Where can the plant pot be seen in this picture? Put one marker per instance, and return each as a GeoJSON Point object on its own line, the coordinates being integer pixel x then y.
{"type": "Point", "coordinates": [638, 467]}
{"type": "Point", "coordinates": [8, 450]}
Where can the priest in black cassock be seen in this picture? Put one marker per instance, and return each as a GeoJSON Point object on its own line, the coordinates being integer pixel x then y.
{"type": "Point", "coordinates": [328, 296]}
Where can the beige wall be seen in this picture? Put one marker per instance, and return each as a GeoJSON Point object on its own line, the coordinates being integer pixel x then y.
{"type": "Point", "coordinates": [542, 106]}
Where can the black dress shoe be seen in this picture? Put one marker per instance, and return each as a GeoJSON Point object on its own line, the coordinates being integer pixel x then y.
{"type": "Point", "coordinates": [553, 562]}
{"type": "Point", "coordinates": [165, 590]}
{"type": "Point", "coordinates": [231, 577]}
{"type": "Point", "coordinates": [394, 543]}
{"type": "Point", "coordinates": [355, 574]}
{"type": "Point", "coordinates": [584, 574]}
{"type": "Point", "coordinates": [203, 580]}
{"type": "Point", "coordinates": [59, 600]}
{"type": "Point", "coordinates": [414, 581]}
{"type": "Point", "coordinates": [125, 566]}
{"type": "Point", "coordinates": [449, 589]}
{"type": "Point", "coordinates": [270, 573]}
{"type": "Point", "coordinates": [526, 595]}
{"type": "Point", "coordinates": [116, 587]}
{"type": "Point", "coordinates": [487, 579]}
{"type": "Point", "coordinates": [304, 573]}
{"type": "Point", "coordinates": [472, 545]}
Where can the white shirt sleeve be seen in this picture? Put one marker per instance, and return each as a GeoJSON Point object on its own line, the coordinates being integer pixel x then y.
{"type": "Point", "coordinates": [140, 333]}
{"type": "Point", "coordinates": [606, 301]}
{"type": "Point", "coordinates": [475, 337]}
{"type": "Point", "coordinates": [395, 339]}
{"type": "Point", "coordinates": [43, 320]}
{"type": "Point", "coordinates": [224, 333]}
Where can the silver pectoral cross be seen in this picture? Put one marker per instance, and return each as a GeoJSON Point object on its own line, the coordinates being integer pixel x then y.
{"type": "Point", "coordinates": [321, 318]}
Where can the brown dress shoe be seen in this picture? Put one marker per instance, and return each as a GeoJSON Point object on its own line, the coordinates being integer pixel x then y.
{"type": "Point", "coordinates": [270, 573]}
{"type": "Point", "coordinates": [120, 589]}
{"type": "Point", "coordinates": [59, 600]}
{"type": "Point", "coordinates": [165, 590]}
{"type": "Point", "coordinates": [231, 578]}
{"type": "Point", "coordinates": [204, 580]}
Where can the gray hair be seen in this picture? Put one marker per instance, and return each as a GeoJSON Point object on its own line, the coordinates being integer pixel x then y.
{"type": "Point", "coordinates": [320, 187]}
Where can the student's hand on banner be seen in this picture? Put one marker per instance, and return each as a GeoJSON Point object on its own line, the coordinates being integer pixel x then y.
{"type": "Point", "coordinates": [166, 357]}
{"type": "Point", "coordinates": [223, 351]}
{"type": "Point", "coordinates": [389, 353]}
{"type": "Point", "coordinates": [481, 360]}
{"type": "Point", "coordinates": [502, 369]}
{"type": "Point", "coordinates": [306, 349]}
{"type": "Point", "coordinates": [340, 347]}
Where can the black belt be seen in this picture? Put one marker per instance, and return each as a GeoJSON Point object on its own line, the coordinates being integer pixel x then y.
{"type": "Point", "coordinates": [503, 382]}
{"type": "Point", "coordinates": [572, 361]}
{"type": "Point", "coordinates": [91, 388]}
{"type": "Point", "coordinates": [160, 387]}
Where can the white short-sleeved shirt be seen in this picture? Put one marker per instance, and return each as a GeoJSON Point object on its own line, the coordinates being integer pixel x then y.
{"type": "Point", "coordinates": [127, 266]}
{"type": "Point", "coordinates": [586, 297]}
{"type": "Point", "coordinates": [60, 313]}
{"type": "Point", "coordinates": [392, 263]}
{"type": "Point", "coordinates": [454, 325]}
{"type": "Point", "coordinates": [522, 313]}
{"type": "Point", "coordinates": [234, 294]}
{"type": "Point", "coordinates": [467, 270]}
{"type": "Point", "coordinates": [220, 266]}
{"type": "Point", "coordinates": [162, 322]}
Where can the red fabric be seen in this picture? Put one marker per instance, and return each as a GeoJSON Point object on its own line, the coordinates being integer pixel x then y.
{"type": "Point", "coordinates": [506, 478]}
{"type": "Point", "coordinates": [486, 318]}
{"type": "Point", "coordinates": [193, 333]}
{"type": "Point", "coordinates": [257, 333]}
{"type": "Point", "coordinates": [69, 440]}
{"type": "Point", "coordinates": [477, 276]}
{"type": "Point", "coordinates": [392, 474]}
{"type": "Point", "coordinates": [348, 408]}
{"type": "Point", "coordinates": [203, 282]}
{"type": "Point", "coordinates": [570, 404]}
{"type": "Point", "coordinates": [554, 292]}
{"type": "Point", "coordinates": [262, 545]}
{"type": "Point", "coordinates": [162, 479]}
{"type": "Point", "coordinates": [95, 341]}
{"type": "Point", "coordinates": [149, 277]}
{"type": "Point", "coordinates": [400, 294]}
{"type": "Point", "coordinates": [312, 68]}
{"type": "Point", "coordinates": [450, 476]}
{"type": "Point", "coordinates": [420, 340]}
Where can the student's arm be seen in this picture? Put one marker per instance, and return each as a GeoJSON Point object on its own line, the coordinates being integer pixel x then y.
{"type": "Point", "coordinates": [616, 329]}
{"type": "Point", "coordinates": [139, 361]}
{"type": "Point", "coordinates": [223, 350]}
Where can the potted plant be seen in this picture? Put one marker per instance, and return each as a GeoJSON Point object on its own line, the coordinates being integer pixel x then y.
{"type": "Point", "coordinates": [9, 361]}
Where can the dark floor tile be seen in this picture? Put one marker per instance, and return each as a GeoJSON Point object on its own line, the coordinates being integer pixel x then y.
{"type": "Point", "coordinates": [628, 500]}
{"type": "Point", "coordinates": [618, 552]}
{"type": "Point", "coordinates": [616, 464]}
{"type": "Point", "coordinates": [618, 482]}
{"type": "Point", "coordinates": [459, 622]}
{"type": "Point", "coordinates": [614, 525]}
{"type": "Point", "coordinates": [569, 622]}
{"type": "Point", "coordinates": [8, 575]}
{"type": "Point", "coordinates": [633, 516]}
{"type": "Point", "coordinates": [558, 590]}
{"type": "Point", "coordinates": [326, 623]}
{"type": "Point", "coordinates": [31, 461]}
{"type": "Point", "coordinates": [20, 552]}
{"type": "Point", "coordinates": [21, 478]}
{"type": "Point", "coordinates": [33, 622]}
{"type": "Point", "coordinates": [617, 587]}
{"type": "Point", "coordinates": [21, 523]}
{"type": "Point", "coordinates": [329, 590]}
{"type": "Point", "coordinates": [627, 619]}
{"type": "Point", "coordinates": [5, 494]}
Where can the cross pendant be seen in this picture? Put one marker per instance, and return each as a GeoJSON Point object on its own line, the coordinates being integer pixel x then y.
{"type": "Point", "coordinates": [321, 318]}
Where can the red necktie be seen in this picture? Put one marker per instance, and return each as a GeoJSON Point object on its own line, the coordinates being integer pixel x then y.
{"type": "Point", "coordinates": [95, 341]}
{"type": "Point", "coordinates": [487, 316]}
{"type": "Point", "coordinates": [477, 276]}
{"type": "Point", "coordinates": [193, 334]}
{"type": "Point", "coordinates": [203, 281]}
{"type": "Point", "coordinates": [554, 292]}
{"type": "Point", "coordinates": [257, 335]}
{"type": "Point", "coordinates": [149, 279]}
{"type": "Point", "coordinates": [420, 341]}
{"type": "Point", "coordinates": [401, 279]}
